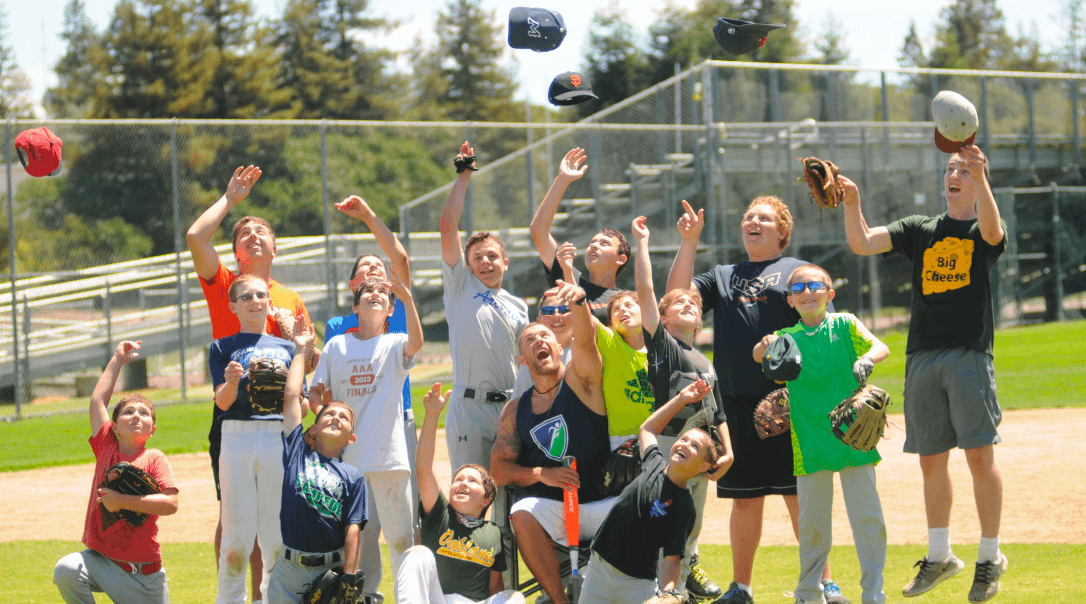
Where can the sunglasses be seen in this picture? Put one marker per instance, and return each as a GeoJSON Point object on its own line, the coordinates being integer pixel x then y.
{"type": "Point", "coordinates": [249, 297]}
{"type": "Point", "coordinates": [814, 286]}
{"type": "Point", "coordinates": [554, 310]}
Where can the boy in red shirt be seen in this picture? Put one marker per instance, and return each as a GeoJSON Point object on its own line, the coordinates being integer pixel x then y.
{"type": "Point", "coordinates": [122, 560]}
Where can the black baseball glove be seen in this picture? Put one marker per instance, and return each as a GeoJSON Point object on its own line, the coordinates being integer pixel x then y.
{"type": "Point", "coordinates": [267, 378]}
{"type": "Point", "coordinates": [127, 479]}
{"type": "Point", "coordinates": [622, 468]}
{"type": "Point", "coordinates": [335, 587]}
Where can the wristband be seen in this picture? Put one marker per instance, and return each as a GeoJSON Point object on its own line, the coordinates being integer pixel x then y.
{"type": "Point", "coordinates": [582, 301]}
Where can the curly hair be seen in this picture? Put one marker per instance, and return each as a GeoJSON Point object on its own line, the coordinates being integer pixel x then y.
{"type": "Point", "coordinates": [784, 216]}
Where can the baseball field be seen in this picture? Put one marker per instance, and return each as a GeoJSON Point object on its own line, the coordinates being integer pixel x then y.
{"type": "Point", "coordinates": [1041, 375]}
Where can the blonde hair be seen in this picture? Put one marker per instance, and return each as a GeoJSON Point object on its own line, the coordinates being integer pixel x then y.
{"type": "Point", "coordinates": [784, 216]}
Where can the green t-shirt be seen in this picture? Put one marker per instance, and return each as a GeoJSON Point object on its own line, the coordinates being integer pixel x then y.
{"type": "Point", "coordinates": [465, 556]}
{"type": "Point", "coordinates": [828, 353]}
{"type": "Point", "coordinates": [627, 392]}
{"type": "Point", "coordinates": [951, 279]}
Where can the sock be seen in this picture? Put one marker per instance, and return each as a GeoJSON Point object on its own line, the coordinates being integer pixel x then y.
{"type": "Point", "coordinates": [989, 549]}
{"type": "Point", "coordinates": [938, 544]}
{"type": "Point", "coordinates": [746, 588]}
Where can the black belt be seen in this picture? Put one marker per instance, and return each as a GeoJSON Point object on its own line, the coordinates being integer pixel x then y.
{"type": "Point", "coordinates": [492, 396]}
{"type": "Point", "coordinates": [311, 560]}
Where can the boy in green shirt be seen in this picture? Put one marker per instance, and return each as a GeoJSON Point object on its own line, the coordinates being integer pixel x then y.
{"type": "Point", "coordinates": [838, 354]}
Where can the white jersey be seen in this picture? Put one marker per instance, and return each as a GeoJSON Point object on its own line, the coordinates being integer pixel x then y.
{"type": "Point", "coordinates": [369, 375]}
{"type": "Point", "coordinates": [484, 325]}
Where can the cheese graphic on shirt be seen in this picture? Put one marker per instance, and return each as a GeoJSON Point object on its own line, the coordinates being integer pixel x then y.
{"type": "Point", "coordinates": [946, 265]}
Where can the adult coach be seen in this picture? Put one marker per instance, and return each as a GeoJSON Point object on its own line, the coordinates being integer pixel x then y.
{"type": "Point", "coordinates": [749, 301]}
{"type": "Point", "coordinates": [950, 395]}
{"type": "Point", "coordinates": [254, 248]}
{"type": "Point", "coordinates": [606, 255]}
{"type": "Point", "coordinates": [484, 321]}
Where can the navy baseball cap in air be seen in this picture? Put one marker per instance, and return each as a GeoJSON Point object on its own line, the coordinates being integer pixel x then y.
{"type": "Point", "coordinates": [539, 29]}
{"type": "Point", "coordinates": [570, 88]}
{"type": "Point", "coordinates": [782, 361]}
{"type": "Point", "coordinates": [742, 37]}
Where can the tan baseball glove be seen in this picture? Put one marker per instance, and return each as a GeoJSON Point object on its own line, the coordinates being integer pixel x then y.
{"type": "Point", "coordinates": [821, 178]}
{"type": "Point", "coordinates": [859, 421]}
{"type": "Point", "coordinates": [773, 416]}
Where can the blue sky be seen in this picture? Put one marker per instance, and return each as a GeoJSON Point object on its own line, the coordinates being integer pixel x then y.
{"type": "Point", "coordinates": [874, 30]}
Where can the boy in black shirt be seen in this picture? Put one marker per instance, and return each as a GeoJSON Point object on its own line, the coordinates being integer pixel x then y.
{"type": "Point", "coordinates": [655, 511]}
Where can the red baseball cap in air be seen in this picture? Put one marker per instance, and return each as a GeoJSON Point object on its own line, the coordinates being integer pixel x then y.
{"type": "Point", "coordinates": [39, 151]}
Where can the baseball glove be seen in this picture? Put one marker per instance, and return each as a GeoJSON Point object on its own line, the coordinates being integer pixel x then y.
{"type": "Point", "coordinates": [622, 468]}
{"type": "Point", "coordinates": [670, 596]}
{"type": "Point", "coordinates": [821, 178]}
{"type": "Point", "coordinates": [773, 416]}
{"type": "Point", "coordinates": [860, 420]}
{"type": "Point", "coordinates": [465, 163]}
{"type": "Point", "coordinates": [267, 378]}
{"type": "Point", "coordinates": [335, 587]}
{"type": "Point", "coordinates": [127, 479]}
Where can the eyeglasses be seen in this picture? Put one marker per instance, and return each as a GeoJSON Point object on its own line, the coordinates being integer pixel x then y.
{"type": "Point", "coordinates": [814, 286]}
{"type": "Point", "coordinates": [554, 310]}
{"type": "Point", "coordinates": [249, 297]}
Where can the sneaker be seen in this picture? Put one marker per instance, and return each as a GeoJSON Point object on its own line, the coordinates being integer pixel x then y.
{"type": "Point", "coordinates": [932, 574]}
{"type": "Point", "coordinates": [986, 579]}
{"type": "Point", "coordinates": [698, 583]}
{"type": "Point", "coordinates": [734, 595]}
{"type": "Point", "coordinates": [832, 593]}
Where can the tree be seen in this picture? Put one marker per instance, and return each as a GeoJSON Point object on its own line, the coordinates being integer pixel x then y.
{"type": "Point", "coordinates": [79, 70]}
{"type": "Point", "coordinates": [615, 64]}
{"type": "Point", "coordinates": [14, 83]}
{"type": "Point", "coordinates": [912, 51]}
{"type": "Point", "coordinates": [830, 47]}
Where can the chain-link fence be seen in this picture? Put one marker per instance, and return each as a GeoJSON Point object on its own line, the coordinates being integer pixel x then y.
{"type": "Point", "coordinates": [98, 254]}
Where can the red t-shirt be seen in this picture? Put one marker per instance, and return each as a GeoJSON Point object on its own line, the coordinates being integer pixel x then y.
{"type": "Point", "coordinates": [225, 323]}
{"type": "Point", "coordinates": [120, 540]}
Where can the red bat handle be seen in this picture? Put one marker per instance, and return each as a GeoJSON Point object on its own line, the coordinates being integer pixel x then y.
{"type": "Point", "coordinates": [573, 515]}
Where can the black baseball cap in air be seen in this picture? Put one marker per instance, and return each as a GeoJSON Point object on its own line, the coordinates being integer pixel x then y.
{"type": "Point", "coordinates": [742, 37]}
{"type": "Point", "coordinates": [570, 88]}
{"type": "Point", "coordinates": [782, 361]}
{"type": "Point", "coordinates": [539, 29]}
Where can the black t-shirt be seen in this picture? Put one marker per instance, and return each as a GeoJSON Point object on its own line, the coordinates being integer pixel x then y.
{"type": "Point", "coordinates": [597, 296]}
{"type": "Point", "coordinates": [952, 287]}
{"type": "Point", "coordinates": [465, 556]}
{"type": "Point", "coordinates": [673, 365]}
{"type": "Point", "coordinates": [651, 513]}
{"type": "Point", "coordinates": [749, 301]}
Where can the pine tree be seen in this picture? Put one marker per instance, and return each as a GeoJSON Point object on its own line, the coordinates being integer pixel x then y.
{"type": "Point", "coordinates": [615, 64]}
{"type": "Point", "coordinates": [912, 51]}
{"type": "Point", "coordinates": [830, 47]}
{"type": "Point", "coordinates": [14, 83]}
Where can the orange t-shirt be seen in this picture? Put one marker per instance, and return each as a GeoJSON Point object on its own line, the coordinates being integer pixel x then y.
{"type": "Point", "coordinates": [118, 539]}
{"type": "Point", "coordinates": [225, 323]}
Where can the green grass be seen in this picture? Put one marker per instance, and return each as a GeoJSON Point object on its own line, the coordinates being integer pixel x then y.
{"type": "Point", "coordinates": [1038, 573]}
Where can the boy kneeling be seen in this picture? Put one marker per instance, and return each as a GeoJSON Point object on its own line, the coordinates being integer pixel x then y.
{"type": "Point", "coordinates": [324, 499]}
{"type": "Point", "coordinates": [654, 511]}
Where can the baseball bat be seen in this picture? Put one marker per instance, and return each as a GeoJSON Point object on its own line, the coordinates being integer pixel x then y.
{"type": "Point", "coordinates": [573, 516]}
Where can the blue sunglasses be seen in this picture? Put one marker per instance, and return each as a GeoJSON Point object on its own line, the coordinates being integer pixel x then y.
{"type": "Point", "coordinates": [814, 286]}
{"type": "Point", "coordinates": [554, 310]}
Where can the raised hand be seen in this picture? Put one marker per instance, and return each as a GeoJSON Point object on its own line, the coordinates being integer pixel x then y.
{"type": "Point", "coordinates": [355, 207]}
{"type": "Point", "coordinates": [241, 183]}
{"type": "Point", "coordinates": [973, 161]}
{"type": "Point", "coordinates": [566, 293]}
{"type": "Point", "coordinates": [694, 392]}
{"type": "Point", "coordinates": [852, 192]}
{"type": "Point", "coordinates": [691, 224]}
{"type": "Point", "coordinates": [565, 255]}
{"type": "Point", "coordinates": [397, 285]}
{"type": "Point", "coordinates": [573, 164]}
{"type": "Point", "coordinates": [126, 351]}
{"type": "Point", "coordinates": [434, 401]}
{"type": "Point", "coordinates": [303, 334]}
{"type": "Point", "coordinates": [466, 151]}
{"type": "Point", "coordinates": [638, 228]}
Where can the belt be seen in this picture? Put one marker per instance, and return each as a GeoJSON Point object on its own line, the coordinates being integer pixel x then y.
{"type": "Point", "coordinates": [491, 396]}
{"type": "Point", "coordinates": [311, 560]}
{"type": "Point", "coordinates": [142, 568]}
{"type": "Point", "coordinates": [409, 415]}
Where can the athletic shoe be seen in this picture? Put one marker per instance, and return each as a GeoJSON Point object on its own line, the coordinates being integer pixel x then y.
{"type": "Point", "coordinates": [734, 595]}
{"type": "Point", "coordinates": [932, 574]}
{"type": "Point", "coordinates": [832, 593]}
{"type": "Point", "coordinates": [698, 583]}
{"type": "Point", "coordinates": [986, 579]}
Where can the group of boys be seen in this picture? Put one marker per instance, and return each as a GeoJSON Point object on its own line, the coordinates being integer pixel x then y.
{"type": "Point", "coordinates": [305, 498]}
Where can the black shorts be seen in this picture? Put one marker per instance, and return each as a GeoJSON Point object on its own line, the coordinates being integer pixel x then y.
{"type": "Point", "coordinates": [761, 467]}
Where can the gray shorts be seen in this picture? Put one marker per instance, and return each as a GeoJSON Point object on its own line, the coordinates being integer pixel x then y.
{"type": "Point", "coordinates": [950, 401]}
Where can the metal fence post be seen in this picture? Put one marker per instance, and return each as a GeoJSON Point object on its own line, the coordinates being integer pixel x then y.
{"type": "Point", "coordinates": [886, 120]}
{"type": "Point", "coordinates": [1075, 151]}
{"type": "Point", "coordinates": [1032, 125]}
{"type": "Point", "coordinates": [984, 133]}
{"type": "Point", "coordinates": [710, 161]}
{"type": "Point", "coordinates": [468, 213]}
{"type": "Point", "coordinates": [329, 264]}
{"type": "Point", "coordinates": [182, 276]}
{"type": "Point", "coordinates": [774, 96]}
{"type": "Point", "coordinates": [107, 311]}
{"type": "Point", "coordinates": [594, 169]}
{"type": "Point", "coordinates": [11, 272]}
{"type": "Point", "coordinates": [678, 110]}
{"type": "Point", "coordinates": [24, 371]}
{"type": "Point", "coordinates": [1057, 250]}
{"type": "Point", "coordinates": [529, 163]}
{"type": "Point", "coordinates": [661, 135]}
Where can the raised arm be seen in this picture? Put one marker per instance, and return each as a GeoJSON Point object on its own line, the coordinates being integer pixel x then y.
{"type": "Point", "coordinates": [586, 365]}
{"type": "Point", "coordinates": [504, 468]}
{"type": "Point", "coordinates": [414, 325]}
{"type": "Point", "coordinates": [690, 227]}
{"type": "Point", "coordinates": [204, 257]}
{"type": "Point", "coordinates": [655, 423]}
{"type": "Point", "coordinates": [863, 239]}
{"type": "Point", "coordinates": [650, 313]}
{"type": "Point", "coordinates": [449, 225]}
{"type": "Point", "coordinates": [429, 489]}
{"type": "Point", "coordinates": [293, 405]}
{"type": "Point", "coordinates": [565, 255]}
{"type": "Point", "coordinates": [356, 207]}
{"type": "Point", "coordinates": [103, 390]}
{"type": "Point", "coordinates": [975, 162]}
{"type": "Point", "coordinates": [572, 168]}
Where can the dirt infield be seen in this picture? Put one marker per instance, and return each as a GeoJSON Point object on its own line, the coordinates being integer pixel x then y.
{"type": "Point", "coordinates": [1044, 501]}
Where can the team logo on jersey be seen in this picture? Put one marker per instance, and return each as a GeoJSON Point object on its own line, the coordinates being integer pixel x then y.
{"type": "Point", "coordinates": [321, 488]}
{"type": "Point", "coordinates": [659, 508]}
{"type": "Point", "coordinates": [552, 437]}
{"type": "Point", "coordinates": [753, 290]}
{"type": "Point", "coordinates": [946, 265]}
{"type": "Point", "coordinates": [464, 549]}
{"type": "Point", "coordinates": [639, 390]}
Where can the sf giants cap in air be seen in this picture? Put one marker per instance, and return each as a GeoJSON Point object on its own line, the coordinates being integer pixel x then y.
{"type": "Point", "coordinates": [742, 37]}
{"type": "Point", "coordinates": [955, 121]}
{"type": "Point", "coordinates": [39, 151]}
{"type": "Point", "coordinates": [570, 88]}
{"type": "Point", "coordinates": [539, 29]}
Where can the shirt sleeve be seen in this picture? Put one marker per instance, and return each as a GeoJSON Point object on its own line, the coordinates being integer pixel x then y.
{"type": "Point", "coordinates": [705, 283]}
{"type": "Point", "coordinates": [901, 235]}
{"type": "Point", "coordinates": [675, 542]}
{"type": "Point", "coordinates": [322, 374]}
{"type": "Point", "coordinates": [159, 467]}
{"type": "Point", "coordinates": [862, 339]}
{"type": "Point", "coordinates": [217, 360]}
{"type": "Point", "coordinates": [554, 273]}
{"type": "Point", "coordinates": [454, 278]}
{"type": "Point", "coordinates": [357, 512]}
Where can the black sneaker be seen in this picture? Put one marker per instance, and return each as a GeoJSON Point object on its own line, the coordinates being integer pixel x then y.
{"type": "Point", "coordinates": [698, 583]}
{"type": "Point", "coordinates": [986, 579]}
{"type": "Point", "coordinates": [735, 595]}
